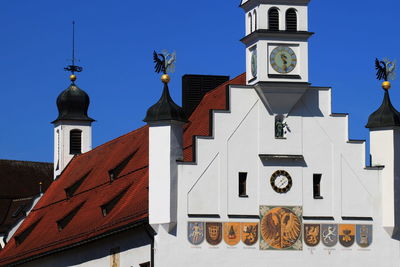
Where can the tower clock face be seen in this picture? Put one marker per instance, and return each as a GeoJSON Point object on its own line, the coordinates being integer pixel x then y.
{"type": "Point", "coordinates": [283, 59]}
{"type": "Point", "coordinates": [254, 63]}
{"type": "Point", "coordinates": [281, 182]}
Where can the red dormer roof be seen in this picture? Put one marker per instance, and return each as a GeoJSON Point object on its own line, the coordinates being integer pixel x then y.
{"type": "Point", "coordinates": [59, 221]}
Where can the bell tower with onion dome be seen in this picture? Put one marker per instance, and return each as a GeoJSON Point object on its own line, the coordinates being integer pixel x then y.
{"type": "Point", "coordinates": [73, 126]}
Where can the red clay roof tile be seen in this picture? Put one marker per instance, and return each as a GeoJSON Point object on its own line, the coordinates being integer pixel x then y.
{"type": "Point", "coordinates": [97, 189]}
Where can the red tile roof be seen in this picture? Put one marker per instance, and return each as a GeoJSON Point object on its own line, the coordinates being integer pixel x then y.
{"type": "Point", "coordinates": [97, 189]}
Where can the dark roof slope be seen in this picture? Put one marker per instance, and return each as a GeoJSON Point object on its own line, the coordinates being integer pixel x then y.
{"type": "Point", "coordinates": [385, 116]}
{"type": "Point", "coordinates": [19, 185]}
{"type": "Point", "coordinates": [73, 104]}
{"type": "Point", "coordinates": [82, 215]}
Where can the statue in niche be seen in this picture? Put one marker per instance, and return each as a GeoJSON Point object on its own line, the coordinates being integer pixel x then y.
{"type": "Point", "coordinates": [280, 127]}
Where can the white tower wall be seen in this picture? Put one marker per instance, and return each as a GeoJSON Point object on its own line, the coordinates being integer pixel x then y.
{"type": "Point", "coordinates": [62, 130]}
{"type": "Point", "coordinates": [165, 148]}
{"type": "Point", "coordinates": [385, 150]}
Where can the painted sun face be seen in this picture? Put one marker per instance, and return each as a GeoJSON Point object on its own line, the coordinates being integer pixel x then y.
{"type": "Point", "coordinates": [283, 59]}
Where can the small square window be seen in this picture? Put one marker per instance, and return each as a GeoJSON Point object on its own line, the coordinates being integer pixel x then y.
{"type": "Point", "coordinates": [317, 186]}
{"type": "Point", "coordinates": [243, 184]}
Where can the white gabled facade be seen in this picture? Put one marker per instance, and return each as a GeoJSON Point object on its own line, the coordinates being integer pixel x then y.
{"type": "Point", "coordinates": [330, 187]}
{"type": "Point", "coordinates": [208, 190]}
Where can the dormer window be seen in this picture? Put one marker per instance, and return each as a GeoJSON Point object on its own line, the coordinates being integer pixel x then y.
{"type": "Point", "coordinates": [70, 191]}
{"type": "Point", "coordinates": [107, 207]}
{"type": "Point", "coordinates": [62, 223]}
{"type": "Point", "coordinates": [273, 19]}
{"type": "Point", "coordinates": [115, 172]}
{"type": "Point", "coordinates": [291, 20]}
{"type": "Point", "coordinates": [22, 236]}
{"type": "Point", "coordinates": [75, 142]}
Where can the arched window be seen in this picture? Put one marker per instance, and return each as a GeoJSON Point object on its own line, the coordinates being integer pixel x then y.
{"type": "Point", "coordinates": [291, 20]}
{"type": "Point", "coordinates": [250, 23]}
{"type": "Point", "coordinates": [273, 19]}
{"type": "Point", "coordinates": [75, 142]}
{"type": "Point", "coordinates": [255, 20]}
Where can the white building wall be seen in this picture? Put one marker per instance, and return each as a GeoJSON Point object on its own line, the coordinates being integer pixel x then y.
{"type": "Point", "coordinates": [240, 135]}
{"type": "Point", "coordinates": [134, 248]}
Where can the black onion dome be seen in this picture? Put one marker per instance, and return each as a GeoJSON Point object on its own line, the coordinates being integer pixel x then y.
{"type": "Point", "coordinates": [385, 116]}
{"type": "Point", "coordinates": [73, 104]}
{"type": "Point", "coordinates": [165, 110]}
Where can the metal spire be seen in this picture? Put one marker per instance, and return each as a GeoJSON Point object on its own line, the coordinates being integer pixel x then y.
{"type": "Point", "coordinates": [73, 68]}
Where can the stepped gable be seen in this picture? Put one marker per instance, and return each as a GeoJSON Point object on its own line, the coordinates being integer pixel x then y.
{"type": "Point", "coordinates": [89, 175]}
{"type": "Point", "coordinates": [200, 122]}
{"type": "Point", "coordinates": [19, 182]}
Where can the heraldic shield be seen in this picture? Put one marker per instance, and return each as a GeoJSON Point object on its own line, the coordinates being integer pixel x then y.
{"type": "Point", "coordinates": [214, 233]}
{"type": "Point", "coordinates": [196, 233]}
{"type": "Point", "coordinates": [364, 235]}
{"type": "Point", "coordinates": [280, 228]}
{"type": "Point", "coordinates": [312, 234]}
{"type": "Point", "coordinates": [347, 234]}
{"type": "Point", "coordinates": [249, 233]}
{"type": "Point", "coordinates": [329, 234]}
{"type": "Point", "coordinates": [232, 233]}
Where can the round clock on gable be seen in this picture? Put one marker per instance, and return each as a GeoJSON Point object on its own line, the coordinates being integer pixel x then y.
{"type": "Point", "coordinates": [283, 59]}
{"type": "Point", "coordinates": [281, 182]}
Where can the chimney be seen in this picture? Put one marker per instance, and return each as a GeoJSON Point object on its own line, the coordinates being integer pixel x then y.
{"type": "Point", "coordinates": [194, 87]}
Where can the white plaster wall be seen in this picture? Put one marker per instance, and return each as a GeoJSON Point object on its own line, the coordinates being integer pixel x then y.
{"type": "Point", "coordinates": [165, 148]}
{"type": "Point", "coordinates": [383, 142]}
{"type": "Point", "coordinates": [61, 142]}
{"type": "Point", "coordinates": [134, 248]}
{"type": "Point", "coordinates": [348, 189]}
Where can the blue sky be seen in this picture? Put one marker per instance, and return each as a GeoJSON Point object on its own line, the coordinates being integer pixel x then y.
{"type": "Point", "coordinates": [115, 40]}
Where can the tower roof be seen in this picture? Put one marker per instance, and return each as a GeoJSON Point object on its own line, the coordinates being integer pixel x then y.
{"type": "Point", "coordinates": [73, 104]}
{"type": "Point", "coordinates": [165, 109]}
{"type": "Point", "coordinates": [385, 116]}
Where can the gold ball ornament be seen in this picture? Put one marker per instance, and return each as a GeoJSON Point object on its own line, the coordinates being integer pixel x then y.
{"type": "Point", "coordinates": [386, 85]}
{"type": "Point", "coordinates": [72, 77]}
{"type": "Point", "coordinates": [165, 78]}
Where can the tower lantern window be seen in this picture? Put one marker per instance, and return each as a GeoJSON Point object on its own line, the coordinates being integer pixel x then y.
{"type": "Point", "coordinates": [273, 19]}
{"type": "Point", "coordinates": [291, 20]}
{"type": "Point", "coordinates": [75, 142]}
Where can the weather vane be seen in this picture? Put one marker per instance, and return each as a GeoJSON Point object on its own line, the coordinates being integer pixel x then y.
{"type": "Point", "coordinates": [386, 70]}
{"type": "Point", "coordinates": [165, 63]}
{"type": "Point", "coordinates": [73, 68]}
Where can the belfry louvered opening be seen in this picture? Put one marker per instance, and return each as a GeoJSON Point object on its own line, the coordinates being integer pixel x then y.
{"type": "Point", "coordinates": [70, 191]}
{"type": "Point", "coordinates": [107, 207]}
{"type": "Point", "coordinates": [62, 223]}
{"type": "Point", "coordinates": [273, 19]}
{"type": "Point", "coordinates": [22, 236]}
{"type": "Point", "coordinates": [291, 20]}
{"type": "Point", "coordinates": [75, 142]}
{"type": "Point", "coordinates": [115, 172]}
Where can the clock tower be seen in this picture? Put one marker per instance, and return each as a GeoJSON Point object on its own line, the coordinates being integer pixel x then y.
{"type": "Point", "coordinates": [276, 40]}
{"type": "Point", "coordinates": [277, 50]}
